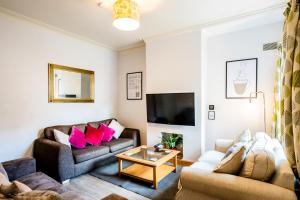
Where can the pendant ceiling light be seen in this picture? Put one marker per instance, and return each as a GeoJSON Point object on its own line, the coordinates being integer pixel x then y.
{"type": "Point", "coordinates": [126, 15]}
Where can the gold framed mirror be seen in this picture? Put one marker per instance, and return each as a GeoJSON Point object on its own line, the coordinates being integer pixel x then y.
{"type": "Point", "coordinates": [70, 85]}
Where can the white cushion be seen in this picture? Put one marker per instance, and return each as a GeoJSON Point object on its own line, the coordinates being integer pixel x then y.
{"type": "Point", "coordinates": [117, 127]}
{"type": "Point", "coordinates": [262, 136]}
{"type": "Point", "coordinates": [61, 137]}
{"type": "Point", "coordinates": [3, 179]}
{"type": "Point", "coordinates": [245, 136]}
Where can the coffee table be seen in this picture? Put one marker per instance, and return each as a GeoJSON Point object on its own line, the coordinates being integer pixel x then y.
{"type": "Point", "coordinates": [148, 165]}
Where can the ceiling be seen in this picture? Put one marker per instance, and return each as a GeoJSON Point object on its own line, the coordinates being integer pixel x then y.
{"type": "Point", "coordinates": [86, 19]}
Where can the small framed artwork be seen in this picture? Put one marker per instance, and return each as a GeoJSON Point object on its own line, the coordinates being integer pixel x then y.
{"type": "Point", "coordinates": [134, 86]}
{"type": "Point", "coordinates": [211, 115]}
{"type": "Point", "coordinates": [241, 78]}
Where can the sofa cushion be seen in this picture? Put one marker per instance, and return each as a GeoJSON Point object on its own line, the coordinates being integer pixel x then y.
{"type": "Point", "coordinates": [117, 127]}
{"type": "Point", "coordinates": [77, 138]}
{"type": "Point", "coordinates": [233, 162]}
{"type": "Point", "coordinates": [40, 181]}
{"type": "Point", "coordinates": [3, 179]}
{"type": "Point", "coordinates": [245, 136]}
{"type": "Point", "coordinates": [107, 133]}
{"type": "Point", "coordinates": [117, 144]}
{"type": "Point", "coordinates": [93, 135]}
{"type": "Point", "coordinates": [89, 152]}
{"type": "Point", "coordinates": [213, 157]}
{"type": "Point", "coordinates": [61, 137]}
{"type": "Point", "coordinates": [260, 161]}
{"type": "Point", "coordinates": [48, 132]}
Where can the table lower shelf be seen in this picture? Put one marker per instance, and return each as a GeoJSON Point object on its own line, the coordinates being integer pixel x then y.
{"type": "Point", "coordinates": [145, 173]}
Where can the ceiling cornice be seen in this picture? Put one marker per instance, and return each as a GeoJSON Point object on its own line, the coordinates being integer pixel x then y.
{"type": "Point", "coordinates": [214, 22]}
{"type": "Point", "coordinates": [53, 28]}
{"type": "Point", "coordinates": [197, 27]}
{"type": "Point", "coordinates": [132, 46]}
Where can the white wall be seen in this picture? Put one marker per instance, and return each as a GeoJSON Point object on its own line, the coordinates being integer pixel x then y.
{"type": "Point", "coordinates": [174, 65]}
{"type": "Point", "coordinates": [235, 115]}
{"type": "Point", "coordinates": [26, 49]}
{"type": "Point", "coordinates": [132, 113]}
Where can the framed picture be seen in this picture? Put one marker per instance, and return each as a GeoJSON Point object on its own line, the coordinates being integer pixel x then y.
{"type": "Point", "coordinates": [134, 86]}
{"type": "Point", "coordinates": [241, 78]}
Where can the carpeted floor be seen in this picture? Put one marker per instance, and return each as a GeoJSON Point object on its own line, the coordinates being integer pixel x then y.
{"type": "Point", "coordinates": [167, 187]}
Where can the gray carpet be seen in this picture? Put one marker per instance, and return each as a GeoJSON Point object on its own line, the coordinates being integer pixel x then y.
{"type": "Point", "coordinates": [167, 187]}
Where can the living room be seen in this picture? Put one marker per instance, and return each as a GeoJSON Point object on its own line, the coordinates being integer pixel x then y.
{"type": "Point", "coordinates": [223, 73]}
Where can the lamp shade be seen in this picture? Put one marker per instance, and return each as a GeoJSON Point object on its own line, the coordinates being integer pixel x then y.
{"type": "Point", "coordinates": [126, 15]}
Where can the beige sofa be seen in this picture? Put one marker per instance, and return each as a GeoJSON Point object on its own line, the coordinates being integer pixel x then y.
{"type": "Point", "coordinates": [199, 182]}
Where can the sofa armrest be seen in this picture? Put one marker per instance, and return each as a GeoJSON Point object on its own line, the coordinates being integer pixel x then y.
{"type": "Point", "coordinates": [222, 145]}
{"type": "Point", "coordinates": [132, 134]}
{"type": "Point", "coordinates": [54, 159]}
{"type": "Point", "coordinates": [228, 187]}
{"type": "Point", "coordinates": [19, 167]}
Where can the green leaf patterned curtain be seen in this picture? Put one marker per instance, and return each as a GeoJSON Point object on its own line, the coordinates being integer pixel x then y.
{"type": "Point", "coordinates": [277, 129]}
{"type": "Point", "coordinates": [291, 85]}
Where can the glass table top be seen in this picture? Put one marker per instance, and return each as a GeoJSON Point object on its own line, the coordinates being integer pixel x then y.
{"type": "Point", "coordinates": [149, 154]}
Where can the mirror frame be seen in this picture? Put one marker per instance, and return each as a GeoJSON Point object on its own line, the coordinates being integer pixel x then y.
{"type": "Point", "coordinates": [51, 99]}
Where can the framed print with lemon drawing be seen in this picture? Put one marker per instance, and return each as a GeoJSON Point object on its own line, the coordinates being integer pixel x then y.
{"type": "Point", "coordinates": [241, 78]}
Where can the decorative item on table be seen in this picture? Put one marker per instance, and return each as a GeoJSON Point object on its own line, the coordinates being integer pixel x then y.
{"type": "Point", "coordinates": [158, 147]}
{"type": "Point", "coordinates": [170, 141]}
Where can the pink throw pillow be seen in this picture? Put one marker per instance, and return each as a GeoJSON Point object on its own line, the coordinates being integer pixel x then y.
{"type": "Point", "coordinates": [107, 132]}
{"type": "Point", "coordinates": [93, 136]}
{"type": "Point", "coordinates": [77, 138]}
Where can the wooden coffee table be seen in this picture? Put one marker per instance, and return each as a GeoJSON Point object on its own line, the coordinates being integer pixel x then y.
{"type": "Point", "coordinates": [148, 165]}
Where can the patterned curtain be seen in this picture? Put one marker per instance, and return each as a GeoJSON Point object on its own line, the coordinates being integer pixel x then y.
{"type": "Point", "coordinates": [291, 85]}
{"type": "Point", "coordinates": [277, 129]}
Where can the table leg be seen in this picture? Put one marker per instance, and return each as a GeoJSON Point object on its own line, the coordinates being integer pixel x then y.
{"type": "Point", "coordinates": [120, 167]}
{"type": "Point", "coordinates": [175, 164]}
{"type": "Point", "coordinates": [155, 182]}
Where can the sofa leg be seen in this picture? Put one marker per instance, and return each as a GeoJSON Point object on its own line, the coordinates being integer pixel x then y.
{"type": "Point", "coordinates": [66, 181]}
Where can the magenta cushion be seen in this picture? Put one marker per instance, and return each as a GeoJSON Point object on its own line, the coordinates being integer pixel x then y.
{"type": "Point", "coordinates": [107, 132]}
{"type": "Point", "coordinates": [93, 136]}
{"type": "Point", "coordinates": [77, 138]}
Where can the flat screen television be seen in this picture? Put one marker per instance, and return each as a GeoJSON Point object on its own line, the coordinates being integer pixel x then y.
{"type": "Point", "coordinates": [171, 108]}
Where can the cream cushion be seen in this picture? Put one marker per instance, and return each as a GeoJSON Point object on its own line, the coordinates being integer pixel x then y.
{"type": "Point", "coordinates": [262, 136]}
{"type": "Point", "coordinates": [245, 136]}
{"type": "Point", "coordinates": [259, 165]}
{"type": "Point", "coordinates": [260, 161]}
{"type": "Point", "coordinates": [117, 127]}
{"type": "Point", "coordinates": [232, 163]}
{"type": "Point", "coordinates": [61, 137]}
{"type": "Point", "coordinates": [3, 179]}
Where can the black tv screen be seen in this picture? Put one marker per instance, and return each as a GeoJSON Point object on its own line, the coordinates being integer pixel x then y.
{"type": "Point", "coordinates": [171, 108]}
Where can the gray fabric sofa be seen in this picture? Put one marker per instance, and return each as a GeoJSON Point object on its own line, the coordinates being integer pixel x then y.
{"type": "Point", "coordinates": [24, 170]}
{"type": "Point", "coordinates": [62, 162]}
